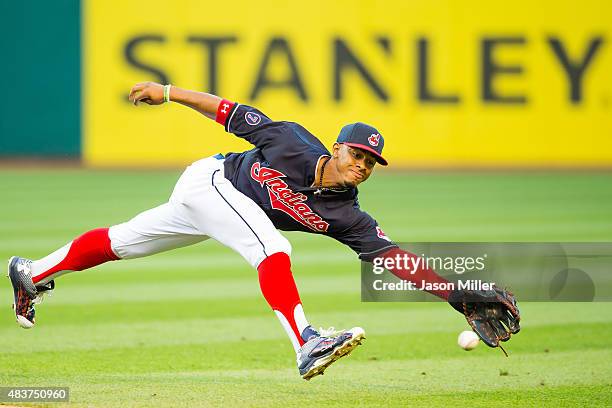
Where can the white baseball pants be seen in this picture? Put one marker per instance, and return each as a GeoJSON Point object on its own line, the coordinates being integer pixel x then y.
{"type": "Point", "coordinates": [204, 204]}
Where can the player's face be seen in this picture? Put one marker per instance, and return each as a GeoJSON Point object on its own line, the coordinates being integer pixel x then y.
{"type": "Point", "coordinates": [353, 165]}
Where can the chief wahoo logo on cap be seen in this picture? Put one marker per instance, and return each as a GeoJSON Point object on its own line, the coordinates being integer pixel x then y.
{"type": "Point", "coordinates": [373, 139]}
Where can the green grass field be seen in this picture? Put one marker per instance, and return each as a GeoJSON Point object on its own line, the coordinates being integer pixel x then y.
{"type": "Point", "coordinates": [190, 328]}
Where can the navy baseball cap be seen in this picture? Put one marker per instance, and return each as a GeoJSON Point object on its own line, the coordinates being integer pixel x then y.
{"type": "Point", "coordinates": [363, 137]}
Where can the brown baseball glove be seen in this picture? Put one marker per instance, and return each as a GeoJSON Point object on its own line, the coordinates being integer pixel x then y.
{"type": "Point", "coordinates": [492, 314]}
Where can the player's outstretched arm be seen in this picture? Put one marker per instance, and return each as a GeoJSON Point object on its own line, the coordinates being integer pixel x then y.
{"type": "Point", "coordinates": [492, 314]}
{"type": "Point", "coordinates": [418, 275]}
{"type": "Point", "coordinates": [152, 93]}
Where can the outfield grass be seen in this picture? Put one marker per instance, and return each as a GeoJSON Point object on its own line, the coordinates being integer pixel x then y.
{"type": "Point", "coordinates": [190, 328]}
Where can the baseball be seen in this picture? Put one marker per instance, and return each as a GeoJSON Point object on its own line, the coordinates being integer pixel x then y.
{"type": "Point", "coordinates": [468, 340]}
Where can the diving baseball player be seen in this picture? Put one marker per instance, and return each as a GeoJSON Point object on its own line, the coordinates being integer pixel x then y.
{"type": "Point", "coordinates": [288, 181]}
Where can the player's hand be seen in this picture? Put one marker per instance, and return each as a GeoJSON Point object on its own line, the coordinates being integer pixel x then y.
{"type": "Point", "coordinates": [150, 93]}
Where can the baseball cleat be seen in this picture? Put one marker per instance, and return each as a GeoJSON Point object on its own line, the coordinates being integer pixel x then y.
{"type": "Point", "coordinates": [321, 351]}
{"type": "Point", "coordinates": [25, 292]}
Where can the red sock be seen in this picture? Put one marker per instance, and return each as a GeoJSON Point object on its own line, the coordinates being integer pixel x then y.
{"type": "Point", "coordinates": [278, 287]}
{"type": "Point", "coordinates": [421, 274]}
{"type": "Point", "coordinates": [90, 249]}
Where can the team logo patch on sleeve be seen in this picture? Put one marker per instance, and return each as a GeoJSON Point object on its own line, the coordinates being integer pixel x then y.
{"type": "Point", "coordinates": [252, 118]}
{"type": "Point", "coordinates": [381, 234]}
{"type": "Point", "coordinates": [282, 198]}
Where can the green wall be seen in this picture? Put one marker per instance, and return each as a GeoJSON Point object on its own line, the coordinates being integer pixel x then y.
{"type": "Point", "coordinates": [40, 78]}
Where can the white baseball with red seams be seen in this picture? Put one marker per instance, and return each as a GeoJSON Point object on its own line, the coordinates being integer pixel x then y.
{"type": "Point", "coordinates": [468, 340]}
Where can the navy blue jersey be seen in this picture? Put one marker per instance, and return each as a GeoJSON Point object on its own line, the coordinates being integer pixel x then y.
{"type": "Point", "coordinates": [278, 175]}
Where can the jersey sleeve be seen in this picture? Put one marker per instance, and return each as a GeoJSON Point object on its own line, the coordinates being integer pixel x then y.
{"type": "Point", "coordinates": [365, 237]}
{"type": "Point", "coordinates": [247, 122]}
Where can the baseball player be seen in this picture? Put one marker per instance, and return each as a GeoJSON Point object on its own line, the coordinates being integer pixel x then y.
{"type": "Point", "coordinates": [288, 181]}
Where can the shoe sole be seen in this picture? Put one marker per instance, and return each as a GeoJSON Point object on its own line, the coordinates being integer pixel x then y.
{"type": "Point", "coordinates": [342, 350]}
{"type": "Point", "coordinates": [21, 320]}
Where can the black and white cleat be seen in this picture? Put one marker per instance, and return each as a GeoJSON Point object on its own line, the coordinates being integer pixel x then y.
{"type": "Point", "coordinates": [320, 352]}
{"type": "Point", "coordinates": [26, 294]}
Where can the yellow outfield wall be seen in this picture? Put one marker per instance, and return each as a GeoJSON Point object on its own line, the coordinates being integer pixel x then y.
{"type": "Point", "coordinates": [448, 83]}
